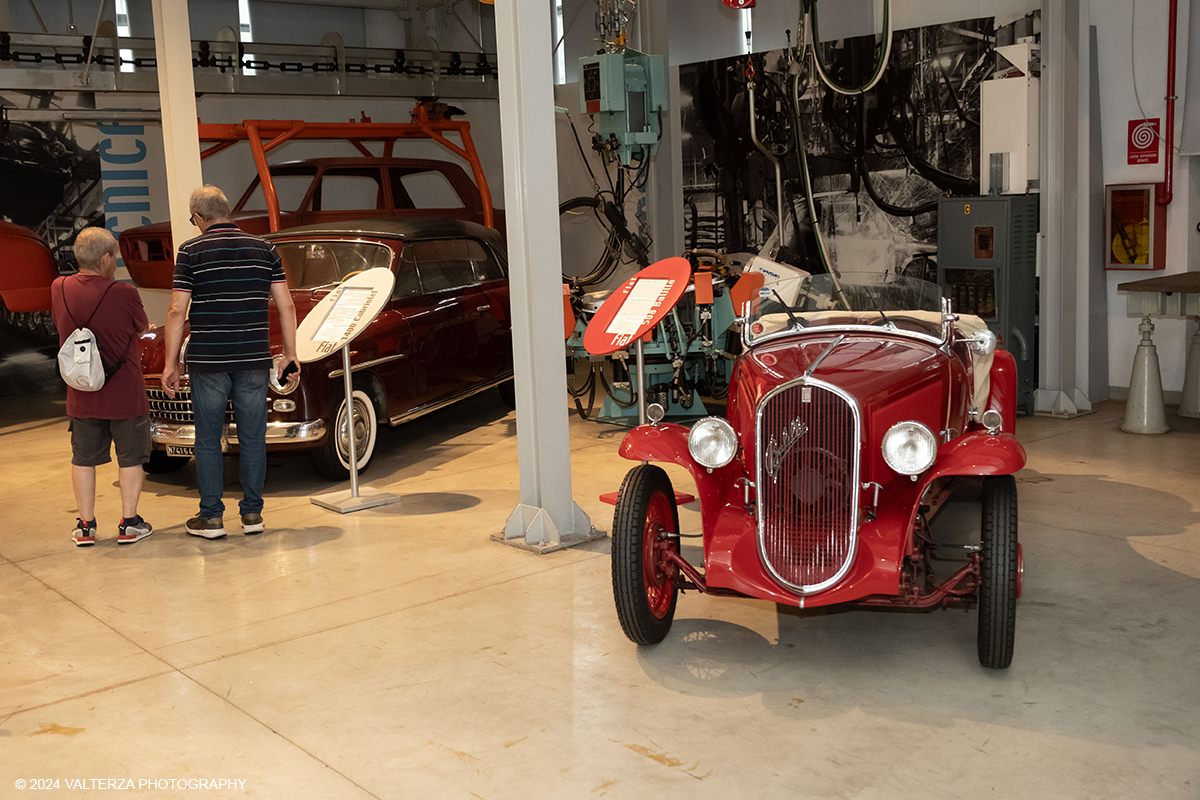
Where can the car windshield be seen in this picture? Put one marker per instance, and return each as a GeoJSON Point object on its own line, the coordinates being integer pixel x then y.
{"type": "Point", "coordinates": [890, 302]}
{"type": "Point", "coordinates": [310, 265]}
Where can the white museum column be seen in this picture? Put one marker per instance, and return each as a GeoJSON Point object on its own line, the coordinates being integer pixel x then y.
{"type": "Point", "coordinates": [547, 518]}
{"type": "Point", "coordinates": [177, 96]}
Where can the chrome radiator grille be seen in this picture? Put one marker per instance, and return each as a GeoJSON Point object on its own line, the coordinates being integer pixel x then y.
{"type": "Point", "coordinates": [808, 437]}
{"type": "Point", "coordinates": [178, 409]}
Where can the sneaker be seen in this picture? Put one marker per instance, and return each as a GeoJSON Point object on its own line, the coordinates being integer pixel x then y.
{"type": "Point", "coordinates": [252, 523]}
{"type": "Point", "coordinates": [133, 530]}
{"type": "Point", "coordinates": [208, 527]}
{"type": "Point", "coordinates": [84, 533]}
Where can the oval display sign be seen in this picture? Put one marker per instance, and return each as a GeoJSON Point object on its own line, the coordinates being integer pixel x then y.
{"type": "Point", "coordinates": [639, 305]}
{"type": "Point", "coordinates": [343, 313]}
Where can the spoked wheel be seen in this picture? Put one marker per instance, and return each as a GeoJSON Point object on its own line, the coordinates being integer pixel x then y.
{"type": "Point", "coordinates": [332, 459]}
{"type": "Point", "coordinates": [1000, 572]}
{"type": "Point", "coordinates": [645, 530]}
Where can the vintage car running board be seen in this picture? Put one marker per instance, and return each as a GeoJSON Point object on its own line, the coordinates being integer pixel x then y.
{"type": "Point", "coordinates": [421, 411]}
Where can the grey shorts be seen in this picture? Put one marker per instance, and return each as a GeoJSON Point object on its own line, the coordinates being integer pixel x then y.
{"type": "Point", "coordinates": [90, 440]}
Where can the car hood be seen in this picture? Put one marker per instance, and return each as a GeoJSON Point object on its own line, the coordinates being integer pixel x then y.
{"type": "Point", "coordinates": [891, 378]}
{"type": "Point", "coordinates": [152, 345]}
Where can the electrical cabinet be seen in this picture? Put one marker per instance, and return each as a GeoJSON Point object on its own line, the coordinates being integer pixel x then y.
{"type": "Point", "coordinates": [987, 266]}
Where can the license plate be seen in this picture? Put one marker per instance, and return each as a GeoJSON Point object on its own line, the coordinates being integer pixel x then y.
{"type": "Point", "coordinates": [180, 450]}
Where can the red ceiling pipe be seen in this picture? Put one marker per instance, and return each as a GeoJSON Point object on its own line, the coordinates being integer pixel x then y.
{"type": "Point", "coordinates": [1165, 192]}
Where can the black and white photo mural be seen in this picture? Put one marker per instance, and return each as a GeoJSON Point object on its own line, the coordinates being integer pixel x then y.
{"type": "Point", "coordinates": [854, 172]}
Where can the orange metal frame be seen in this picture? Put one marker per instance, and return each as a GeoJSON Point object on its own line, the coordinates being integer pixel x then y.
{"type": "Point", "coordinates": [266, 135]}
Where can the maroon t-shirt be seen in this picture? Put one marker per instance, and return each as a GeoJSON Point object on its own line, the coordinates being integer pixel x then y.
{"type": "Point", "coordinates": [117, 324]}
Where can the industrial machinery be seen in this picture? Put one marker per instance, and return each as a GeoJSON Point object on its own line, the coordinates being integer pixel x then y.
{"type": "Point", "coordinates": [987, 260]}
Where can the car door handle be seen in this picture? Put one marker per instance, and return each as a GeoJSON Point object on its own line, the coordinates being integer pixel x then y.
{"type": "Point", "coordinates": [482, 308]}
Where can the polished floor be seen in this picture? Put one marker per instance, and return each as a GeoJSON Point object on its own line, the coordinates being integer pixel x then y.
{"type": "Point", "coordinates": [399, 652]}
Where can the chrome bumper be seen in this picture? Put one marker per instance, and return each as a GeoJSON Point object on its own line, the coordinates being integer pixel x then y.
{"type": "Point", "coordinates": [184, 434]}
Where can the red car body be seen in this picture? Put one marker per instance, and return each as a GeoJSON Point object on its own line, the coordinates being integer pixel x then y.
{"type": "Point", "coordinates": [808, 511]}
{"type": "Point", "coordinates": [29, 269]}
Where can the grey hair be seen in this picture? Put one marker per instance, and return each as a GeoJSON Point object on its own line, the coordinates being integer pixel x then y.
{"type": "Point", "coordinates": [210, 203]}
{"type": "Point", "coordinates": [90, 246]}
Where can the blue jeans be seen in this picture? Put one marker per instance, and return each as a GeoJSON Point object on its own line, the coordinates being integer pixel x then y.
{"type": "Point", "coordinates": [211, 393]}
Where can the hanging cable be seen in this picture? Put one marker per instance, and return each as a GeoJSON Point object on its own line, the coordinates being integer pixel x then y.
{"type": "Point", "coordinates": [802, 157]}
{"type": "Point", "coordinates": [880, 64]}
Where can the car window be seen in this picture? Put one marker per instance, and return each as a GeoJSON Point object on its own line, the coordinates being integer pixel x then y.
{"type": "Point", "coordinates": [349, 189]}
{"type": "Point", "coordinates": [442, 263]}
{"type": "Point", "coordinates": [486, 268]}
{"type": "Point", "coordinates": [408, 283]}
{"type": "Point", "coordinates": [290, 189]}
{"type": "Point", "coordinates": [425, 189]}
{"type": "Point", "coordinates": [312, 264]}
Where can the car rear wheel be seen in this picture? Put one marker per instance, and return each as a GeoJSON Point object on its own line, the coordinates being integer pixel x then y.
{"type": "Point", "coordinates": [332, 459]}
{"type": "Point", "coordinates": [161, 463]}
{"type": "Point", "coordinates": [645, 530]}
{"type": "Point", "coordinates": [1000, 572]}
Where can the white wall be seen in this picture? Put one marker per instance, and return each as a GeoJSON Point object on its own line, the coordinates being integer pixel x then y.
{"type": "Point", "coordinates": [1117, 31]}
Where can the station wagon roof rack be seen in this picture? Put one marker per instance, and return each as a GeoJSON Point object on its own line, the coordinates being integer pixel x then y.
{"type": "Point", "coordinates": [431, 119]}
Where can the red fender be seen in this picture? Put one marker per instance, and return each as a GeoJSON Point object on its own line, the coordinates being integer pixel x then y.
{"type": "Point", "coordinates": [978, 453]}
{"type": "Point", "coordinates": [667, 443]}
{"type": "Point", "coordinates": [1003, 394]}
{"type": "Point", "coordinates": [29, 269]}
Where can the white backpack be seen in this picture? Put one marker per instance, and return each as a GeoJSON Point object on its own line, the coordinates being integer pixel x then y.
{"type": "Point", "coordinates": [79, 360]}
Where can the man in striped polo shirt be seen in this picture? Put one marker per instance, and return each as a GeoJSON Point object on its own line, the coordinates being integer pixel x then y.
{"type": "Point", "coordinates": [226, 276]}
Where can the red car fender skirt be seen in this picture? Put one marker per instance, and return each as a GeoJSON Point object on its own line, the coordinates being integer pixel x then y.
{"type": "Point", "coordinates": [977, 453]}
{"type": "Point", "coordinates": [668, 443]}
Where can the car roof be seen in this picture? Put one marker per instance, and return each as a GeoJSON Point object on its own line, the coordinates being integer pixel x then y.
{"type": "Point", "coordinates": [354, 161]}
{"type": "Point", "coordinates": [409, 227]}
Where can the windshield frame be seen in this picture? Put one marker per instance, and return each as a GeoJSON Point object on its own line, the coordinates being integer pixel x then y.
{"type": "Point", "coordinates": [884, 324]}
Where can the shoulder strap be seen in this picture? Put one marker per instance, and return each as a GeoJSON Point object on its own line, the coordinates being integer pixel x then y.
{"type": "Point", "coordinates": [111, 284]}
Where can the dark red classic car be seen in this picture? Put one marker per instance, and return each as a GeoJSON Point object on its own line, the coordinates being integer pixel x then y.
{"type": "Point", "coordinates": [855, 409]}
{"type": "Point", "coordinates": [445, 335]}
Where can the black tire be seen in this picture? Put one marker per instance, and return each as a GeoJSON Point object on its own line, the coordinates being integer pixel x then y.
{"type": "Point", "coordinates": [645, 592]}
{"type": "Point", "coordinates": [999, 572]}
{"type": "Point", "coordinates": [508, 393]}
{"type": "Point", "coordinates": [160, 463]}
{"type": "Point", "coordinates": [332, 459]}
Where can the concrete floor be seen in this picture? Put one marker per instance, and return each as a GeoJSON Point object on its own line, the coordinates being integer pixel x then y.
{"type": "Point", "coordinates": [400, 653]}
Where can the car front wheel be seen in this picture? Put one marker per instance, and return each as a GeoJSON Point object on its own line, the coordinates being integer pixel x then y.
{"type": "Point", "coordinates": [332, 459]}
{"type": "Point", "coordinates": [645, 531]}
{"type": "Point", "coordinates": [999, 583]}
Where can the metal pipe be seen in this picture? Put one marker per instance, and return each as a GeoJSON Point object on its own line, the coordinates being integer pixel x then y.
{"type": "Point", "coordinates": [87, 67]}
{"type": "Point", "coordinates": [1165, 190]}
{"type": "Point", "coordinates": [774, 160]}
{"type": "Point", "coordinates": [349, 421]}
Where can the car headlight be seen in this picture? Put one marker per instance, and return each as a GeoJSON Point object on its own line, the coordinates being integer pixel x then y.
{"type": "Point", "coordinates": [909, 448]}
{"type": "Point", "coordinates": [287, 387]}
{"type": "Point", "coordinates": [712, 442]}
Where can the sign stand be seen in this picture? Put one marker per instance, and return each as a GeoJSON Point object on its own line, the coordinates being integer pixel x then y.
{"type": "Point", "coordinates": [335, 321]}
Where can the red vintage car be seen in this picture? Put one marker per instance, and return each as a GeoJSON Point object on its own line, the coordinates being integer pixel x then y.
{"type": "Point", "coordinates": [855, 409]}
{"type": "Point", "coordinates": [446, 334]}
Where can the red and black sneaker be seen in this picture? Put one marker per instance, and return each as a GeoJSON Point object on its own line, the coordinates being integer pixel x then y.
{"type": "Point", "coordinates": [84, 533]}
{"type": "Point", "coordinates": [133, 530]}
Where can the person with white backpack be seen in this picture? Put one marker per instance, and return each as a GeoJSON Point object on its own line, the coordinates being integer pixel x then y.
{"type": "Point", "coordinates": [116, 413]}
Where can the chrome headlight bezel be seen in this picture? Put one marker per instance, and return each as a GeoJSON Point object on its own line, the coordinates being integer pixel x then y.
{"type": "Point", "coordinates": [909, 447]}
{"type": "Point", "coordinates": [293, 381]}
{"type": "Point", "coordinates": [712, 442]}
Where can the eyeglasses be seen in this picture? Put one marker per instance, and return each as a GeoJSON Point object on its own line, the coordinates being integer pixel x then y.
{"type": "Point", "coordinates": [192, 219]}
